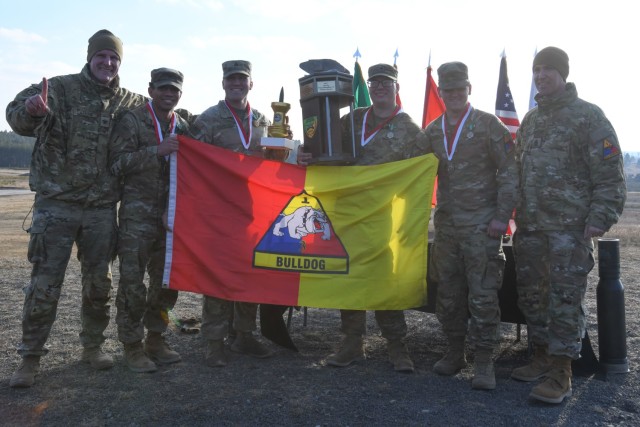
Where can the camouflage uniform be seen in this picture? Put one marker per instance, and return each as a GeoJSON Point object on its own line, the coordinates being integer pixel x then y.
{"type": "Point", "coordinates": [75, 201]}
{"type": "Point", "coordinates": [399, 139]}
{"type": "Point", "coordinates": [476, 186]}
{"type": "Point", "coordinates": [142, 237]}
{"type": "Point", "coordinates": [217, 126]}
{"type": "Point", "coordinates": [571, 175]}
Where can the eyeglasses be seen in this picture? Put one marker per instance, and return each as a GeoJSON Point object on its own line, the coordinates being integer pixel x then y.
{"type": "Point", "coordinates": [384, 83]}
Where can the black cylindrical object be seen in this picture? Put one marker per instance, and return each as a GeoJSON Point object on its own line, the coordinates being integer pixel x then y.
{"type": "Point", "coordinates": [612, 332]}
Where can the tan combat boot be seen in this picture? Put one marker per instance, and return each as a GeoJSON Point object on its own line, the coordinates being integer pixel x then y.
{"type": "Point", "coordinates": [484, 374]}
{"type": "Point", "coordinates": [158, 350]}
{"type": "Point", "coordinates": [536, 369]}
{"type": "Point", "coordinates": [25, 375]}
{"type": "Point", "coordinates": [215, 355]}
{"type": "Point", "coordinates": [351, 350]}
{"type": "Point", "coordinates": [454, 360]}
{"type": "Point", "coordinates": [399, 356]}
{"type": "Point", "coordinates": [96, 358]}
{"type": "Point", "coordinates": [136, 360]}
{"type": "Point", "coordinates": [246, 343]}
{"type": "Point", "coordinates": [557, 384]}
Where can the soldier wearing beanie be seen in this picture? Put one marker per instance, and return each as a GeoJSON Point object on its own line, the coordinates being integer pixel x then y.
{"type": "Point", "coordinates": [572, 188]}
{"type": "Point", "coordinates": [476, 196]}
{"type": "Point", "coordinates": [71, 118]}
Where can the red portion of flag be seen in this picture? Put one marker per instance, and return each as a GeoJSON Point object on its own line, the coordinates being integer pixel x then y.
{"type": "Point", "coordinates": [433, 108]}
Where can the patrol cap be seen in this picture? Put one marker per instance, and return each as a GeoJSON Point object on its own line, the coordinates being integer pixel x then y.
{"type": "Point", "coordinates": [453, 75]}
{"type": "Point", "coordinates": [383, 70]}
{"type": "Point", "coordinates": [101, 40]}
{"type": "Point", "coordinates": [555, 58]}
{"type": "Point", "coordinates": [236, 67]}
{"type": "Point", "coordinates": [166, 77]}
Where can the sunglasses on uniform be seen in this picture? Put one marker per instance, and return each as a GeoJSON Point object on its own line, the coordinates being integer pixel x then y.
{"type": "Point", "coordinates": [384, 83]}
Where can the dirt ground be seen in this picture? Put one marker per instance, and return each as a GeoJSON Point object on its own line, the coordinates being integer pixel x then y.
{"type": "Point", "coordinates": [296, 388]}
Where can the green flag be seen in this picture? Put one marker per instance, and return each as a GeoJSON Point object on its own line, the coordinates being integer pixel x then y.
{"type": "Point", "coordinates": [360, 90]}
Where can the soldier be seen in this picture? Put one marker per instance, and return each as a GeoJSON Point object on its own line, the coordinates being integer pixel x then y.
{"type": "Point", "coordinates": [71, 116]}
{"type": "Point", "coordinates": [476, 196]}
{"type": "Point", "coordinates": [572, 188]}
{"type": "Point", "coordinates": [386, 134]}
{"type": "Point", "coordinates": [138, 151]}
{"type": "Point", "coordinates": [234, 125]}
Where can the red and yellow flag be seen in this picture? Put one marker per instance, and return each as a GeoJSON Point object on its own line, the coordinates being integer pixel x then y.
{"type": "Point", "coordinates": [255, 230]}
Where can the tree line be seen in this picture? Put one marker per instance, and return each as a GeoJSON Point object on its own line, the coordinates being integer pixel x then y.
{"type": "Point", "coordinates": [15, 150]}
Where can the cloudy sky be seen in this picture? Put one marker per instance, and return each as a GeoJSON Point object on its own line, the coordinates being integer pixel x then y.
{"type": "Point", "coordinates": [46, 38]}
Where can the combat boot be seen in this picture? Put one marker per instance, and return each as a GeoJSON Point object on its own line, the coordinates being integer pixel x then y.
{"type": "Point", "coordinates": [454, 360]}
{"type": "Point", "coordinates": [136, 360]}
{"type": "Point", "coordinates": [557, 384]}
{"type": "Point", "coordinates": [25, 375]}
{"type": "Point", "coordinates": [96, 358]}
{"type": "Point", "coordinates": [214, 355]}
{"type": "Point", "coordinates": [484, 374]}
{"type": "Point", "coordinates": [246, 343]}
{"type": "Point", "coordinates": [399, 356]}
{"type": "Point", "coordinates": [351, 350]}
{"type": "Point", "coordinates": [536, 369]}
{"type": "Point", "coordinates": [158, 350]}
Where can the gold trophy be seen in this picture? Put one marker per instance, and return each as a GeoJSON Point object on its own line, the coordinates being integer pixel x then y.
{"type": "Point", "coordinates": [278, 143]}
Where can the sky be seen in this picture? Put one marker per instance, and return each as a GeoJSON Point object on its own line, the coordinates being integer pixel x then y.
{"type": "Point", "coordinates": [45, 39]}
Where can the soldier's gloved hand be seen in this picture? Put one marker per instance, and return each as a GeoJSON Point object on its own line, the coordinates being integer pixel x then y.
{"type": "Point", "coordinates": [303, 158]}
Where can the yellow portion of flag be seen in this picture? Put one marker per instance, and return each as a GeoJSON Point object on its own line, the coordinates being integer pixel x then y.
{"type": "Point", "coordinates": [381, 215]}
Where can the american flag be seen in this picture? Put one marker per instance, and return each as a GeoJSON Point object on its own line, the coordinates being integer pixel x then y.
{"type": "Point", "coordinates": [505, 107]}
{"type": "Point", "coordinates": [506, 112]}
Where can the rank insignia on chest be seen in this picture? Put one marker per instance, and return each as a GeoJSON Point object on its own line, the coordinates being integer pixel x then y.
{"type": "Point", "coordinates": [609, 150]}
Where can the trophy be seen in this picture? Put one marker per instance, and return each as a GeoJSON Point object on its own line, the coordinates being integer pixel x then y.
{"type": "Point", "coordinates": [278, 143]}
{"type": "Point", "coordinates": [323, 93]}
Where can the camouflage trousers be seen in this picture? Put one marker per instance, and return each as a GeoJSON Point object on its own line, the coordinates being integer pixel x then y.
{"type": "Point", "coordinates": [56, 226]}
{"type": "Point", "coordinates": [138, 306]}
{"type": "Point", "coordinates": [216, 315]}
{"type": "Point", "coordinates": [469, 266]}
{"type": "Point", "coordinates": [552, 269]}
{"type": "Point", "coordinates": [392, 323]}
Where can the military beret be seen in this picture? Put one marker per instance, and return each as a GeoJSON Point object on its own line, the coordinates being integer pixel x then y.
{"type": "Point", "coordinates": [383, 70]}
{"type": "Point", "coordinates": [453, 75]}
{"type": "Point", "coordinates": [555, 58]}
{"type": "Point", "coordinates": [104, 39]}
{"type": "Point", "coordinates": [236, 67]}
{"type": "Point", "coordinates": [166, 77]}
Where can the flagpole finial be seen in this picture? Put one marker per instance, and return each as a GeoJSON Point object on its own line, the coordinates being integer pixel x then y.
{"type": "Point", "coordinates": [504, 53]}
{"type": "Point", "coordinates": [357, 54]}
{"type": "Point", "coordinates": [395, 56]}
{"type": "Point", "coordinates": [429, 63]}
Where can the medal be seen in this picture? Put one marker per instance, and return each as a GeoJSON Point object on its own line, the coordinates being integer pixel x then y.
{"type": "Point", "coordinates": [470, 135]}
{"type": "Point", "coordinates": [389, 135]}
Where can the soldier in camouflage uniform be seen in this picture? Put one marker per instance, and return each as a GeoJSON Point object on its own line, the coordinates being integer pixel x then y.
{"type": "Point", "coordinates": [476, 196]}
{"type": "Point", "coordinates": [138, 151]}
{"type": "Point", "coordinates": [572, 188]}
{"type": "Point", "coordinates": [71, 116]}
{"type": "Point", "coordinates": [234, 125]}
{"type": "Point", "coordinates": [386, 134]}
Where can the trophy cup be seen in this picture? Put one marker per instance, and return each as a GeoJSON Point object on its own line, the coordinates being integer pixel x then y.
{"type": "Point", "coordinates": [278, 144]}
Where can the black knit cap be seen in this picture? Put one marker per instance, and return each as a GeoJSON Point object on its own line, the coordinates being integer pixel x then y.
{"type": "Point", "coordinates": [553, 57]}
{"type": "Point", "coordinates": [104, 39]}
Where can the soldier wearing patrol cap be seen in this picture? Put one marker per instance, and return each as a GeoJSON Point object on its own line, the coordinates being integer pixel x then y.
{"type": "Point", "coordinates": [476, 196]}
{"type": "Point", "coordinates": [138, 150]}
{"type": "Point", "coordinates": [572, 188]}
{"type": "Point", "coordinates": [232, 124]}
{"type": "Point", "coordinates": [386, 134]}
{"type": "Point", "coordinates": [71, 118]}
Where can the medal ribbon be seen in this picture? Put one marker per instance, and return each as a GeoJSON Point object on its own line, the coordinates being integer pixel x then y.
{"type": "Point", "coordinates": [245, 136]}
{"type": "Point", "coordinates": [368, 136]}
{"type": "Point", "coordinates": [449, 147]}
{"type": "Point", "coordinates": [156, 123]}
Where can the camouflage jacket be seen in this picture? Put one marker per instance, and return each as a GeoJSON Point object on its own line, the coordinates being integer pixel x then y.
{"type": "Point", "coordinates": [479, 183]}
{"type": "Point", "coordinates": [399, 139]}
{"type": "Point", "coordinates": [133, 149]}
{"type": "Point", "coordinates": [217, 126]}
{"type": "Point", "coordinates": [570, 166]}
{"type": "Point", "coordinates": [69, 160]}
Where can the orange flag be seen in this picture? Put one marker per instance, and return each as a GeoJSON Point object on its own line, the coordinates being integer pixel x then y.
{"type": "Point", "coordinates": [433, 108]}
